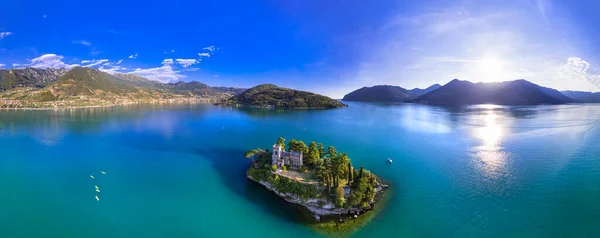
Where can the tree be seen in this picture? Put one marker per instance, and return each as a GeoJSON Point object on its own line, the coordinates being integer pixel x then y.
{"type": "Point", "coordinates": [331, 152]}
{"type": "Point", "coordinates": [360, 174]}
{"type": "Point", "coordinates": [321, 149]}
{"type": "Point", "coordinates": [251, 154]}
{"type": "Point", "coordinates": [281, 142]}
{"type": "Point", "coordinates": [350, 173]}
{"type": "Point", "coordinates": [339, 195]}
{"type": "Point", "coordinates": [329, 181]}
{"type": "Point", "coordinates": [298, 146]}
{"type": "Point", "coordinates": [312, 156]}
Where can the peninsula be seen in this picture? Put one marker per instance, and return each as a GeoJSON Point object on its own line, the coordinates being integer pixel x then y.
{"type": "Point", "coordinates": [269, 95]}
{"type": "Point", "coordinates": [321, 180]}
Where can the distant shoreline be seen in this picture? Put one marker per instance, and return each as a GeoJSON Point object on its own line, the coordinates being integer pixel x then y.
{"type": "Point", "coordinates": [104, 106]}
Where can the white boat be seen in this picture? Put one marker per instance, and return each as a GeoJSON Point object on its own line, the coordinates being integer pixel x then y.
{"type": "Point", "coordinates": [390, 160]}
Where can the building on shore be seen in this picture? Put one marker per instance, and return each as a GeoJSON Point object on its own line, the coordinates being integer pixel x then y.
{"type": "Point", "coordinates": [291, 159]}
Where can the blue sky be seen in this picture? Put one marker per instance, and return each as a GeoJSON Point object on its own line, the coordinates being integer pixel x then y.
{"type": "Point", "coordinates": [329, 47]}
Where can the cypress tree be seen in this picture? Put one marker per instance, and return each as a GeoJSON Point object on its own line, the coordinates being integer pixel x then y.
{"type": "Point", "coordinates": [360, 174]}
{"type": "Point", "coordinates": [350, 173]}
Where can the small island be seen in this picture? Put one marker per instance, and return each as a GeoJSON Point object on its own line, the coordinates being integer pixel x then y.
{"type": "Point", "coordinates": [321, 180]}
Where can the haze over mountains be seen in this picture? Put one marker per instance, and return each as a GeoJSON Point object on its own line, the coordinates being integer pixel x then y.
{"type": "Point", "coordinates": [80, 86]}
{"type": "Point", "coordinates": [458, 92]}
{"type": "Point", "coordinates": [387, 93]}
{"type": "Point", "coordinates": [584, 97]}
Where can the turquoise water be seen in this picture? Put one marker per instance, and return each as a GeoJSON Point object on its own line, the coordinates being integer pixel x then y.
{"type": "Point", "coordinates": [178, 171]}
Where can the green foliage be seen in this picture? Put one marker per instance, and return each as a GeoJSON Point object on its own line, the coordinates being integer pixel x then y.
{"type": "Point", "coordinates": [284, 168]}
{"type": "Point", "coordinates": [331, 152]}
{"type": "Point", "coordinates": [45, 96]}
{"type": "Point", "coordinates": [333, 171]}
{"type": "Point", "coordinates": [321, 149]}
{"type": "Point", "coordinates": [281, 142]}
{"type": "Point", "coordinates": [302, 169]}
{"type": "Point", "coordinates": [274, 167]}
{"type": "Point", "coordinates": [297, 145]}
{"type": "Point", "coordinates": [252, 153]}
{"type": "Point", "coordinates": [269, 95]}
{"type": "Point", "coordinates": [286, 185]}
{"type": "Point", "coordinates": [312, 156]}
{"type": "Point", "coordinates": [350, 173]}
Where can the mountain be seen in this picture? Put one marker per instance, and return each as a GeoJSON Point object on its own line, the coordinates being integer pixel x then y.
{"type": "Point", "coordinates": [269, 95]}
{"type": "Point", "coordinates": [91, 87]}
{"type": "Point", "coordinates": [379, 93]}
{"type": "Point", "coordinates": [86, 83]}
{"type": "Point", "coordinates": [518, 92]}
{"type": "Point", "coordinates": [231, 90]}
{"type": "Point", "coordinates": [584, 97]}
{"type": "Point", "coordinates": [140, 81]}
{"type": "Point", "coordinates": [28, 77]}
{"type": "Point", "coordinates": [418, 91]}
{"type": "Point", "coordinates": [386, 93]}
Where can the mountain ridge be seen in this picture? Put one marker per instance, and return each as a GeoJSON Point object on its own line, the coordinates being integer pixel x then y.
{"type": "Point", "coordinates": [387, 93]}
{"type": "Point", "coordinates": [517, 92]}
{"type": "Point", "coordinates": [83, 86]}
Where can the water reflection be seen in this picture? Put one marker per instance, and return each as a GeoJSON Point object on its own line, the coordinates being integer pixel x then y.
{"type": "Point", "coordinates": [489, 157]}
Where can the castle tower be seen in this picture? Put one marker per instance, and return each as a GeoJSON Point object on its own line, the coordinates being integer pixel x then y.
{"type": "Point", "coordinates": [277, 153]}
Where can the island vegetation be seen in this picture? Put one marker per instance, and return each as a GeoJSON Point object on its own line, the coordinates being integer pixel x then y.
{"type": "Point", "coordinates": [323, 180]}
{"type": "Point", "coordinates": [269, 95]}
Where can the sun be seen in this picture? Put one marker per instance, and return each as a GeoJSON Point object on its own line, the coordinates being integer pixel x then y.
{"type": "Point", "coordinates": [490, 69]}
{"type": "Point", "coordinates": [490, 64]}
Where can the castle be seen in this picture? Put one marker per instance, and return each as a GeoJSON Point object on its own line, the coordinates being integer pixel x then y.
{"type": "Point", "coordinates": [291, 159]}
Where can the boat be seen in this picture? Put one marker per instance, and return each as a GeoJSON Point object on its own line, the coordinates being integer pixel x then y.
{"type": "Point", "coordinates": [390, 160]}
{"type": "Point", "coordinates": [97, 198]}
{"type": "Point", "coordinates": [92, 176]}
{"type": "Point", "coordinates": [102, 172]}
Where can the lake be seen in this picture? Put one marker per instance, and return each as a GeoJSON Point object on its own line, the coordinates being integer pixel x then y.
{"type": "Point", "coordinates": [179, 171]}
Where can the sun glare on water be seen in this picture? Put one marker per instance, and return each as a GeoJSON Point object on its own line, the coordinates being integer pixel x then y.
{"type": "Point", "coordinates": [489, 156]}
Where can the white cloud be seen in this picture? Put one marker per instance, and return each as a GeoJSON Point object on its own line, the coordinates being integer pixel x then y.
{"type": "Point", "coordinates": [577, 68]}
{"type": "Point", "coordinates": [203, 55]}
{"type": "Point", "coordinates": [112, 69]}
{"type": "Point", "coordinates": [92, 63]}
{"type": "Point", "coordinates": [44, 16]}
{"type": "Point", "coordinates": [2, 65]}
{"type": "Point", "coordinates": [134, 56]}
{"type": "Point", "coordinates": [192, 69]}
{"type": "Point", "coordinates": [119, 62]}
{"type": "Point", "coordinates": [163, 74]}
{"type": "Point", "coordinates": [50, 61]}
{"type": "Point", "coordinates": [16, 65]}
{"type": "Point", "coordinates": [187, 62]}
{"type": "Point", "coordinates": [5, 34]}
{"type": "Point", "coordinates": [211, 48]}
{"type": "Point", "coordinates": [167, 62]}
{"type": "Point", "coordinates": [82, 42]}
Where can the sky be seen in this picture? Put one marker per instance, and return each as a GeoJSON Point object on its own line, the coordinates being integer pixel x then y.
{"type": "Point", "coordinates": [327, 47]}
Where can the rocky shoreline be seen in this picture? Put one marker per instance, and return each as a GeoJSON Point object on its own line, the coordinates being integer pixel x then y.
{"type": "Point", "coordinates": [327, 209]}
